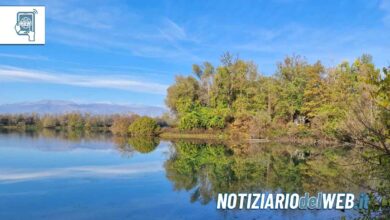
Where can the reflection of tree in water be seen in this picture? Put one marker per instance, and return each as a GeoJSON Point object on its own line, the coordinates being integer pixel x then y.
{"type": "Point", "coordinates": [127, 146]}
{"type": "Point", "coordinates": [64, 134]}
{"type": "Point", "coordinates": [143, 144]}
{"type": "Point", "coordinates": [206, 170]}
{"type": "Point", "coordinates": [122, 146]}
{"type": "Point", "coordinates": [199, 167]}
{"type": "Point", "coordinates": [375, 169]}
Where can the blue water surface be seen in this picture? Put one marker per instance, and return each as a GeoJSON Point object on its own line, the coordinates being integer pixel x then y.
{"type": "Point", "coordinates": [53, 178]}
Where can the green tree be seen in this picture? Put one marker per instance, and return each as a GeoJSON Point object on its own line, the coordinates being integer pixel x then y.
{"type": "Point", "coordinates": [144, 126]}
{"type": "Point", "coordinates": [314, 92]}
{"type": "Point", "coordinates": [369, 121]}
{"type": "Point", "coordinates": [120, 125]}
{"type": "Point", "coordinates": [205, 74]}
{"type": "Point", "coordinates": [182, 94]}
{"type": "Point", "coordinates": [292, 76]}
{"type": "Point", "coordinates": [49, 121]}
{"type": "Point", "coordinates": [74, 121]}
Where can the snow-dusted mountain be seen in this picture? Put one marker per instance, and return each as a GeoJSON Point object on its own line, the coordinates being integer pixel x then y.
{"type": "Point", "coordinates": [60, 107]}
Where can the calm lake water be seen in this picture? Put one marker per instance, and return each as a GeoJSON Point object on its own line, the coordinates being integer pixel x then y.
{"type": "Point", "coordinates": [65, 176]}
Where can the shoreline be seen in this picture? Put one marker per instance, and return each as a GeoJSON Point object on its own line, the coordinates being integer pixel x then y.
{"type": "Point", "coordinates": [224, 136]}
{"type": "Point", "coordinates": [173, 134]}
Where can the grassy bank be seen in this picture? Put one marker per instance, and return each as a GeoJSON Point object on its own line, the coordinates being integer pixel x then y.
{"type": "Point", "coordinates": [226, 135]}
{"type": "Point", "coordinates": [170, 133]}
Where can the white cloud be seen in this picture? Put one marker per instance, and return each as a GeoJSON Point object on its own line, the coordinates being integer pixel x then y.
{"type": "Point", "coordinates": [120, 82]}
{"type": "Point", "coordinates": [173, 30]}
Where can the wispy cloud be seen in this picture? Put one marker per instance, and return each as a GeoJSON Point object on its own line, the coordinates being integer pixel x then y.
{"type": "Point", "coordinates": [116, 29]}
{"type": "Point", "coordinates": [282, 28]}
{"type": "Point", "coordinates": [155, 43]}
{"type": "Point", "coordinates": [331, 45]}
{"type": "Point", "coordinates": [173, 30]}
{"type": "Point", "coordinates": [8, 73]}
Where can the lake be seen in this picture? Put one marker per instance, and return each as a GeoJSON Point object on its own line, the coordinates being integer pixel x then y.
{"type": "Point", "coordinates": [51, 175]}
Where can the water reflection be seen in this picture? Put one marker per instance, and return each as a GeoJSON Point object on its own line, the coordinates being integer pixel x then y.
{"type": "Point", "coordinates": [21, 175]}
{"type": "Point", "coordinates": [197, 171]}
{"type": "Point", "coordinates": [143, 144]}
{"type": "Point", "coordinates": [128, 146]}
{"type": "Point", "coordinates": [205, 170]}
{"type": "Point", "coordinates": [65, 135]}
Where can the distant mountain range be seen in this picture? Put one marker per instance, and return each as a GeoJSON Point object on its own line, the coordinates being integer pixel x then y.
{"type": "Point", "coordinates": [60, 107]}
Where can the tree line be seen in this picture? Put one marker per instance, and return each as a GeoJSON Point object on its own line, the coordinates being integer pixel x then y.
{"type": "Point", "coordinates": [121, 125]}
{"type": "Point", "coordinates": [349, 101]}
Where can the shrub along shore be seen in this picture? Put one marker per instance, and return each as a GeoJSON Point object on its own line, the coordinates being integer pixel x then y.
{"type": "Point", "coordinates": [121, 125]}
{"type": "Point", "coordinates": [129, 125]}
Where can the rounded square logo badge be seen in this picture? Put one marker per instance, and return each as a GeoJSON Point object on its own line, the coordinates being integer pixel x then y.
{"type": "Point", "coordinates": [22, 25]}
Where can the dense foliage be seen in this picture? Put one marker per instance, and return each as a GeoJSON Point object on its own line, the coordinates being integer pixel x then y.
{"type": "Point", "coordinates": [118, 124]}
{"type": "Point", "coordinates": [121, 124]}
{"type": "Point", "coordinates": [69, 121]}
{"type": "Point", "coordinates": [144, 126]}
{"type": "Point", "coordinates": [301, 98]}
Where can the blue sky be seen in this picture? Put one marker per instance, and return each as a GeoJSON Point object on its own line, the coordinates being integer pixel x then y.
{"type": "Point", "coordinates": [129, 51]}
